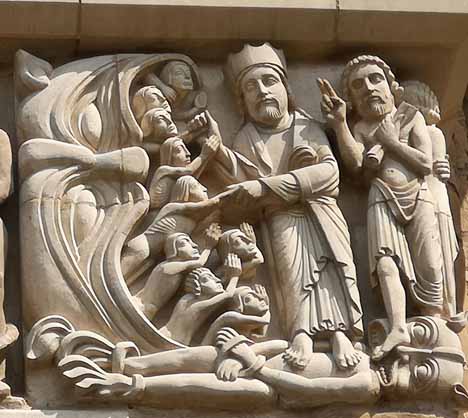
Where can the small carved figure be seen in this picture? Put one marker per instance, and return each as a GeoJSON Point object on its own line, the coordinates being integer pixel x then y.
{"type": "Point", "coordinates": [404, 244]}
{"type": "Point", "coordinates": [175, 162]}
{"type": "Point", "coordinates": [189, 206]}
{"type": "Point", "coordinates": [243, 243]}
{"type": "Point", "coordinates": [432, 369]}
{"type": "Point", "coordinates": [157, 126]}
{"type": "Point", "coordinates": [182, 255]}
{"type": "Point", "coordinates": [147, 98]}
{"type": "Point", "coordinates": [249, 314]}
{"type": "Point", "coordinates": [205, 294]}
{"type": "Point", "coordinates": [423, 98]}
{"type": "Point", "coordinates": [176, 82]}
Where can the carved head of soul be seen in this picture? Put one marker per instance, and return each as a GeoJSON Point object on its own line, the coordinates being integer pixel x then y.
{"type": "Point", "coordinates": [174, 153]}
{"type": "Point", "coordinates": [236, 242]}
{"type": "Point", "coordinates": [157, 124]}
{"type": "Point", "coordinates": [181, 246]}
{"type": "Point", "coordinates": [202, 281]}
{"type": "Point", "coordinates": [249, 302]}
{"type": "Point", "coordinates": [265, 95]}
{"type": "Point", "coordinates": [178, 75]}
{"type": "Point", "coordinates": [370, 86]}
{"type": "Point", "coordinates": [188, 189]}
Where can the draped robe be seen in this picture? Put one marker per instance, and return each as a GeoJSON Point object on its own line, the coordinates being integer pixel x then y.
{"type": "Point", "coordinates": [314, 277]}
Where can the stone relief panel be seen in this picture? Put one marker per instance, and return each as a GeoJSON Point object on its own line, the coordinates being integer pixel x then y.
{"type": "Point", "coordinates": [164, 263]}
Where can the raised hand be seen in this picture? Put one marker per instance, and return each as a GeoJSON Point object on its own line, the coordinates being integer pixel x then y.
{"type": "Point", "coordinates": [199, 122]}
{"type": "Point", "coordinates": [210, 146]}
{"type": "Point", "coordinates": [232, 266]}
{"type": "Point", "coordinates": [249, 232]}
{"type": "Point", "coordinates": [333, 107]}
{"type": "Point", "coordinates": [213, 127]}
{"type": "Point", "coordinates": [262, 294]}
{"type": "Point", "coordinates": [212, 235]}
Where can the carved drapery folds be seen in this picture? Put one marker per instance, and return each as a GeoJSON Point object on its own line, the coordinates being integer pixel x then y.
{"type": "Point", "coordinates": [142, 286]}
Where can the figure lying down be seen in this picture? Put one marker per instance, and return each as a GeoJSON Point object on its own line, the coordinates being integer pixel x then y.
{"type": "Point", "coordinates": [239, 374]}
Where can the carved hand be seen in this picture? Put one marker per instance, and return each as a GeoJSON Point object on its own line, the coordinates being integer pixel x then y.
{"type": "Point", "coordinates": [210, 146]}
{"type": "Point", "coordinates": [246, 191]}
{"type": "Point", "coordinates": [262, 293]}
{"type": "Point", "coordinates": [228, 370]}
{"type": "Point", "coordinates": [387, 133]}
{"type": "Point", "coordinates": [232, 266]}
{"type": "Point", "coordinates": [442, 169]}
{"type": "Point", "coordinates": [212, 235]}
{"type": "Point", "coordinates": [333, 107]}
{"type": "Point", "coordinates": [248, 230]}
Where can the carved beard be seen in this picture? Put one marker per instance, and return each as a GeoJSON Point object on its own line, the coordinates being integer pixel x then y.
{"type": "Point", "coordinates": [375, 110]}
{"type": "Point", "coordinates": [268, 114]}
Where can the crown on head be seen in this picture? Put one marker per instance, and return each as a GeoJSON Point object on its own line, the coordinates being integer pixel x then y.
{"type": "Point", "coordinates": [238, 64]}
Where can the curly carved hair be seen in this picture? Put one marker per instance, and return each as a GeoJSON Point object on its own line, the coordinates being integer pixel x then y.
{"type": "Point", "coordinates": [192, 281]}
{"type": "Point", "coordinates": [362, 60]}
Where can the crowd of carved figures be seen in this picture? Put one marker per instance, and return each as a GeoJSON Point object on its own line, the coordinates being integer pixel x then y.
{"type": "Point", "coordinates": [141, 284]}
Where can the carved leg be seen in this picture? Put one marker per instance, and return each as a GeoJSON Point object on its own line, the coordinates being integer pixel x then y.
{"type": "Point", "coordinates": [426, 253]}
{"type": "Point", "coordinates": [184, 360]}
{"type": "Point", "coordinates": [394, 298]}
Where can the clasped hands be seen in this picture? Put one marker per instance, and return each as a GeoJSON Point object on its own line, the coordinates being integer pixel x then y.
{"type": "Point", "coordinates": [244, 194]}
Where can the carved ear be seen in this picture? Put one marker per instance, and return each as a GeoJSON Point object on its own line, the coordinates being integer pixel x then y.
{"type": "Point", "coordinates": [32, 72]}
{"type": "Point", "coordinates": [460, 395]}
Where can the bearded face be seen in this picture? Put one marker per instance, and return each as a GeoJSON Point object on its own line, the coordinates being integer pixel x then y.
{"type": "Point", "coordinates": [370, 92]}
{"type": "Point", "coordinates": [265, 96]}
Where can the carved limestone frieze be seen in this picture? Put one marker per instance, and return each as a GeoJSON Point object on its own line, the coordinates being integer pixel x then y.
{"type": "Point", "coordinates": [165, 264]}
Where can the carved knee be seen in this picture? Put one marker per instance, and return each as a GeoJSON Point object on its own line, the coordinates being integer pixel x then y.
{"type": "Point", "coordinates": [386, 266]}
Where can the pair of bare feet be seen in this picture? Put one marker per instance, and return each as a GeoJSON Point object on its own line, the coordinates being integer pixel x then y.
{"type": "Point", "coordinates": [299, 353]}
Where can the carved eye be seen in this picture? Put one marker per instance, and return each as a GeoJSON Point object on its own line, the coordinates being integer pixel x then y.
{"type": "Point", "coordinates": [357, 84]}
{"type": "Point", "coordinates": [270, 81]}
{"type": "Point", "coordinates": [425, 375]}
{"type": "Point", "coordinates": [250, 86]}
{"type": "Point", "coordinates": [424, 333]}
{"type": "Point", "coordinates": [376, 78]}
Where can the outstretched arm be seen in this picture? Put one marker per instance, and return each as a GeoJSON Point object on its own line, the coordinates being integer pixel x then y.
{"type": "Point", "coordinates": [209, 149]}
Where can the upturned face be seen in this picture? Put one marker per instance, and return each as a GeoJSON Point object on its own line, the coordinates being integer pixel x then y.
{"type": "Point", "coordinates": [181, 77]}
{"type": "Point", "coordinates": [210, 285]}
{"type": "Point", "coordinates": [154, 98]}
{"type": "Point", "coordinates": [163, 126]}
{"type": "Point", "coordinates": [187, 249]}
{"type": "Point", "coordinates": [370, 92]}
{"type": "Point", "coordinates": [254, 304]}
{"type": "Point", "coordinates": [265, 96]}
{"type": "Point", "coordinates": [243, 246]}
{"type": "Point", "coordinates": [180, 156]}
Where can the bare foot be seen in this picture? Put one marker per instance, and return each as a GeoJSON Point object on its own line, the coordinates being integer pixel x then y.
{"type": "Point", "coordinates": [345, 355]}
{"type": "Point", "coordinates": [299, 353]}
{"type": "Point", "coordinates": [396, 337]}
